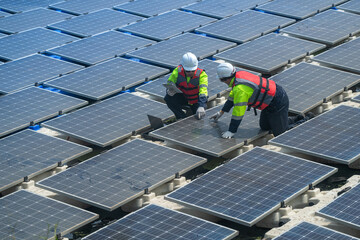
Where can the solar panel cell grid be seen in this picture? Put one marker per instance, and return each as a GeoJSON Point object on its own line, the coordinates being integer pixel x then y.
{"type": "Point", "coordinates": [103, 46]}
{"type": "Point", "coordinates": [120, 175]}
{"type": "Point", "coordinates": [28, 216]}
{"type": "Point", "coordinates": [251, 186]}
{"type": "Point", "coordinates": [333, 135]}
{"type": "Point", "coordinates": [270, 52]}
{"type": "Point", "coordinates": [27, 71]}
{"type": "Point", "coordinates": [350, 6]}
{"type": "Point", "coordinates": [28, 153]}
{"type": "Point", "coordinates": [245, 26]}
{"type": "Point", "coordinates": [95, 22]}
{"type": "Point", "coordinates": [168, 53]}
{"type": "Point", "coordinates": [25, 5]}
{"type": "Point", "coordinates": [110, 120]}
{"type": "Point", "coordinates": [107, 78]}
{"type": "Point", "coordinates": [167, 25]}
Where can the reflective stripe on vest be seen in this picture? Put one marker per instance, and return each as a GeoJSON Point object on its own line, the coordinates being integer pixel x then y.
{"type": "Point", "coordinates": [191, 88]}
{"type": "Point", "coordinates": [264, 89]}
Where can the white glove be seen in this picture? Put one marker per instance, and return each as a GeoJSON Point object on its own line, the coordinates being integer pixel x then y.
{"type": "Point", "coordinates": [200, 113]}
{"type": "Point", "coordinates": [227, 134]}
{"type": "Point", "coordinates": [170, 92]}
{"type": "Point", "coordinates": [216, 116]}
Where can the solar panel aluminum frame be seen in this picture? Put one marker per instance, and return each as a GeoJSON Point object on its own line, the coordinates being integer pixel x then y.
{"type": "Point", "coordinates": [139, 194]}
{"type": "Point", "coordinates": [250, 224]}
{"type": "Point", "coordinates": [348, 224]}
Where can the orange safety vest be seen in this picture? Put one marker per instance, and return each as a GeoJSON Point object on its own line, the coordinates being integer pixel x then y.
{"type": "Point", "coordinates": [191, 88]}
{"type": "Point", "coordinates": [264, 89]}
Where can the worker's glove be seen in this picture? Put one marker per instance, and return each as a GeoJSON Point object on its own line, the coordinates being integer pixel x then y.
{"type": "Point", "coordinates": [227, 134]}
{"type": "Point", "coordinates": [200, 113]}
{"type": "Point", "coordinates": [170, 92]}
{"type": "Point", "coordinates": [216, 116]}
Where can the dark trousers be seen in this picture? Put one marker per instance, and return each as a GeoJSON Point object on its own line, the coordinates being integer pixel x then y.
{"type": "Point", "coordinates": [177, 103]}
{"type": "Point", "coordinates": [275, 117]}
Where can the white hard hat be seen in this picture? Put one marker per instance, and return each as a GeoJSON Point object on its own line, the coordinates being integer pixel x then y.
{"type": "Point", "coordinates": [225, 70]}
{"type": "Point", "coordinates": [189, 61]}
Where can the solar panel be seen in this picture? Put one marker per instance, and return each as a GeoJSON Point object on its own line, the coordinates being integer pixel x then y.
{"type": "Point", "coordinates": [168, 53]}
{"type": "Point", "coordinates": [25, 5]}
{"type": "Point", "coordinates": [251, 186]}
{"type": "Point", "coordinates": [107, 78]}
{"type": "Point", "coordinates": [101, 47]}
{"type": "Point", "coordinates": [329, 27]}
{"type": "Point", "coordinates": [168, 25]}
{"type": "Point", "coordinates": [306, 230]}
{"type": "Point", "coordinates": [215, 87]}
{"type": "Point", "coordinates": [224, 8]}
{"type": "Point", "coordinates": [4, 14]}
{"type": "Point", "coordinates": [120, 175]}
{"type": "Point", "coordinates": [35, 18]}
{"type": "Point", "coordinates": [245, 26]}
{"type": "Point", "coordinates": [110, 120]}
{"type": "Point", "coordinates": [28, 216]}
{"type": "Point", "coordinates": [32, 105]}
{"type": "Point", "coordinates": [205, 135]}
{"type": "Point", "coordinates": [270, 52]}
{"type": "Point", "coordinates": [333, 135]}
{"type": "Point", "coordinates": [2, 35]}
{"type": "Point", "coordinates": [350, 6]}
{"type": "Point", "coordinates": [344, 209]}
{"type": "Point", "coordinates": [345, 56]}
{"type": "Point", "coordinates": [28, 154]}
{"type": "Point", "coordinates": [154, 221]}
{"type": "Point", "coordinates": [79, 7]}
{"type": "Point", "coordinates": [298, 9]}
{"type": "Point", "coordinates": [27, 71]}
{"type": "Point", "coordinates": [151, 8]}
{"type": "Point", "coordinates": [96, 22]}
{"type": "Point", "coordinates": [30, 42]}
{"type": "Point", "coordinates": [356, 99]}
{"type": "Point", "coordinates": [307, 85]}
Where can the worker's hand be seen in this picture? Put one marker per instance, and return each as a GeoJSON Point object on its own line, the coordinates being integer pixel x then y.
{"type": "Point", "coordinates": [227, 134]}
{"type": "Point", "coordinates": [200, 113]}
{"type": "Point", "coordinates": [170, 92]}
{"type": "Point", "coordinates": [216, 116]}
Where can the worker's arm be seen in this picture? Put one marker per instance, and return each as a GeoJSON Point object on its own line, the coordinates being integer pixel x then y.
{"type": "Point", "coordinates": [174, 75]}
{"type": "Point", "coordinates": [203, 93]}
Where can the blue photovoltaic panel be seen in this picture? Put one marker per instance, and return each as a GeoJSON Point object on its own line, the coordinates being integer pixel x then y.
{"type": "Point", "coordinates": [245, 26]}
{"type": "Point", "coordinates": [307, 85]}
{"type": "Point", "coordinates": [154, 7]}
{"type": "Point", "coordinates": [33, 104]}
{"type": "Point", "coordinates": [4, 14]}
{"type": "Point", "coordinates": [28, 216]}
{"type": "Point", "coordinates": [153, 222]}
{"type": "Point", "coordinates": [168, 53]}
{"type": "Point", "coordinates": [329, 27]}
{"type": "Point", "coordinates": [101, 47]}
{"type": "Point", "coordinates": [107, 78]}
{"type": "Point", "coordinates": [168, 25]}
{"type": "Point", "coordinates": [96, 22]}
{"type": "Point", "coordinates": [251, 186]}
{"type": "Point", "coordinates": [344, 209]}
{"type": "Point", "coordinates": [121, 174]}
{"type": "Point", "coordinates": [30, 42]}
{"type": "Point", "coordinates": [110, 120]}
{"type": "Point", "coordinates": [25, 5]}
{"type": "Point", "coordinates": [224, 8]}
{"type": "Point", "coordinates": [345, 56]}
{"type": "Point", "coordinates": [27, 71]}
{"type": "Point", "coordinates": [270, 52]}
{"type": "Point", "coordinates": [298, 9]}
{"type": "Point", "coordinates": [27, 20]}
{"type": "Point", "coordinates": [356, 99]}
{"type": "Point", "coordinates": [350, 6]}
{"type": "Point", "coordinates": [205, 135]}
{"type": "Point", "coordinates": [305, 231]}
{"type": "Point", "coordinates": [333, 135]}
{"type": "Point", "coordinates": [215, 86]}
{"type": "Point", "coordinates": [79, 7]}
{"type": "Point", "coordinates": [29, 153]}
